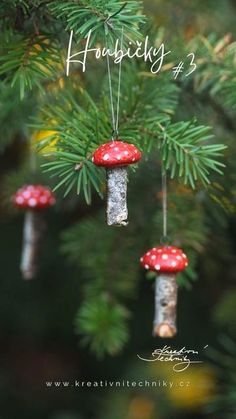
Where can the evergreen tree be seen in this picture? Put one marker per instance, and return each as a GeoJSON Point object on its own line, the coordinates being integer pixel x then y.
{"type": "Point", "coordinates": [185, 125]}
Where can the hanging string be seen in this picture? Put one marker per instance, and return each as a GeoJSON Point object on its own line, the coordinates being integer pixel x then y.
{"type": "Point", "coordinates": [111, 94]}
{"type": "Point", "coordinates": [119, 83]}
{"type": "Point", "coordinates": [164, 203]}
{"type": "Point", "coordinates": [115, 119]}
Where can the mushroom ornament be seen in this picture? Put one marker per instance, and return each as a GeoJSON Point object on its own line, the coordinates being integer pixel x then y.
{"type": "Point", "coordinates": [166, 261]}
{"type": "Point", "coordinates": [33, 199]}
{"type": "Point", "coordinates": [115, 156]}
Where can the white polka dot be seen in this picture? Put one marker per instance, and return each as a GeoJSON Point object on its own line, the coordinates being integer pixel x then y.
{"type": "Point", "coordinates": [141, 259]}
{"type": "Point", "coordinates": [157, 267]}
{"type": "Point", "coordinates": [26, 194]}
{"type": "Point", "coordinates": [116, 148]}
{"type": "Point", "coordinates": [173, 264]}
{"type": "Point", "coordinates": [136, 151]}
{"type": "Point", "coordinates": [133, 159]}
{"type": "Point", "coordinates": [153, 257]}
{"type": "Point", "coordinates": [92, 159]}
{"type": "Point", "coordinates": [32, 202]}
{"type": "Point", "coordinates": [184, 256]}
{"type": "Point", "coordinates": [126, 153]}
{"type": "Point", "coordinates": [19, 200]}
{"type": "Point", "coordinates": [106, 157]}
{"type": "Point", "coordinates": [173, 251]}
{"type": "Point", "coordinates": [164, 256]}
{"type": "Point", "coordinates": [148, 253]}
{"type": "Point", "coordinates": [159, 250]}
{"type": "Point", "coordinates": [186, 263]}
{"type": "Point", "coordinates": [178, 257]}
{"type": "Point", "coordinates": [146, 266]}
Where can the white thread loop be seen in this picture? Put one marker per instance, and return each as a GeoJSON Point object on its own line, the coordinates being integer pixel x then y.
{"type": "Point", "coordinates": [114, 118]}
{"type": "Point", "coordinates": [111, 93]}
{"type": "Point", "coordinates": [119, 83]}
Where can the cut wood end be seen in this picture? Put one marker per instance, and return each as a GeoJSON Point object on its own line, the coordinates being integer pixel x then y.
{"type": "Point", "coordinates": [164, 330]}
{"type": "Point", "coordinates": [122, 223]}
{"type": "Point", "coordinates": [28, 275]}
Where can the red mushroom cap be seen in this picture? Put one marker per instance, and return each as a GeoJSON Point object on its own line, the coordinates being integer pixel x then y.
{"type": "Point", "coordinates": [116, 153]}
{"type": "Point", "coordinates": [164, 259]}
{"type": "Point", "coordinates": [34, 197]}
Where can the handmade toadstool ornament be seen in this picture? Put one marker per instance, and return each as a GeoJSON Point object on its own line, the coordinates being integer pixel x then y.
{"type": "Point", "coordinates": [33, 199]}
{"type": "Point", "coordinates": [115, 156]}
{"type": "Point", "coordinates": [166, 261]}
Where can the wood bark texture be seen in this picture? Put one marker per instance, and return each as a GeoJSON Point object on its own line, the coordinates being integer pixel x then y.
{"type": "Point", "coordinates": [165, 305]}
{"type": "Point", "coordinates": [34, 227]}
{"type": "Point", "coordinates": [117, 211]}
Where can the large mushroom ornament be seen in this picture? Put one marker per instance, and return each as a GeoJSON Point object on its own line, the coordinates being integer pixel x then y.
{"type": "Point", "coordinates": [33, 199]}
{"type": "Point", "coordinates": [166, 261]}
{"type": "Point", "coordinates": [115, 156]}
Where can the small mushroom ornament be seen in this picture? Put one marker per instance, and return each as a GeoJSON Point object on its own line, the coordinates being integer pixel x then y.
{"type": "Point", "coordinates": [115, 156]}
{"type": "Point", "coordinates": [33, 199]}
{"type": "Point", "coordinates": [166, 261]}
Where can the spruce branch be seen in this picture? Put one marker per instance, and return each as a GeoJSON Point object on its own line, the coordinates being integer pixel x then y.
{"type": "Point", "coordinates": [187, 152]}
{"type": "Point", "coordinates": [27, 62]}
{"type": "Point", "coordinates": [215, 73]}
{"type": "Point", "coordinates": [81, 125]}
{"type": "Point", "coordinates": [111, 15]}
{"type": "Point", "coordinates": [102, 318]}
{"type": "Point", "coordinates": [13, 115]}
{"type": "Point", "coordinates": [102, 323]}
